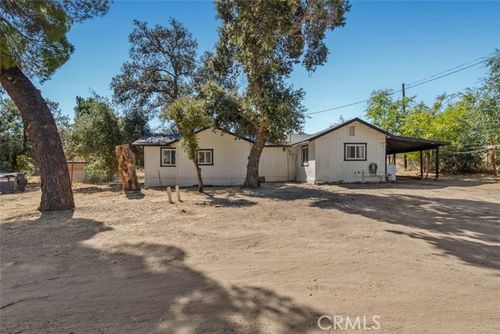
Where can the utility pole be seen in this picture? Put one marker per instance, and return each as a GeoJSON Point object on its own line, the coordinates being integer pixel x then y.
{"type": "Point", "coordinates": [404, 112]}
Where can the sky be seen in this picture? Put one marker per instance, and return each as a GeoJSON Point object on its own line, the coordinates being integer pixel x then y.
{"type": "Point", "coordinates": [383, 44]}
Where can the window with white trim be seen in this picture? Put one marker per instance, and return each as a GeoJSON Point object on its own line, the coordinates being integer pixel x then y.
{"type": "Point", "coordinates": [168, 157]}
{"type": "Point", "coordinates": [205, 157]}
{"type": "Point", "coordinates": [355, 151]}
{"type": "Point", "coordinates": [305, 155]}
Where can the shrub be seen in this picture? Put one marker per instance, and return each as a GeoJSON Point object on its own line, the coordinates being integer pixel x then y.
{"type": "Point", "coordinates": [26, 164]}
{"type": "Point", "coordinates": [98, 172]}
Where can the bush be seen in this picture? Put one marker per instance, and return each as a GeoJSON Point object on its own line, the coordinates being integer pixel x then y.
{"type": "Point", "coordinates": [97, 172]}
{"type": "Point", "coordinates": [26, 164]}
{"type": "Point", "coordinates": [461, 163]}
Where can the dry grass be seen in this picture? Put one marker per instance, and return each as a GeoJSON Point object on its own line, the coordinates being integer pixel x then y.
{"type": "Point", "coordinates": [424, 256]}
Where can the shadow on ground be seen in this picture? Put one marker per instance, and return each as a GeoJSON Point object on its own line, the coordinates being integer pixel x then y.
{"type": "Point", "coordinates": [467, 229]}
{"type": "Point", "coordinates": [410, 182]}
{"type": "Point", "coordinates": [54, 281]}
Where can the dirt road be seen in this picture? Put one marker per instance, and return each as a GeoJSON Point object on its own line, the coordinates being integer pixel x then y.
{"type": "Point", "coordinates": [421, 257]}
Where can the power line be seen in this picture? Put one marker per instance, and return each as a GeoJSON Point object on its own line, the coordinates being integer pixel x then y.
{"type": "Point", "coordinates": [413, 84]}
{"type": "Point", "coordinates": [445, 71]}
{"type": "Point", "coordinates": [445, 75]}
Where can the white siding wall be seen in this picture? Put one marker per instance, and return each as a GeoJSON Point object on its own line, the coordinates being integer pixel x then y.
{"type": "Point", "coordinates": [277, 164]}
{"type": "Point", "coordinates": [330, 164]}
{"type": "Point", "coordinates": [230, 156]}
{"type": "Point", "coordinates": [306, 173]}
{"type": "Point", "coordinates": [152, 167]}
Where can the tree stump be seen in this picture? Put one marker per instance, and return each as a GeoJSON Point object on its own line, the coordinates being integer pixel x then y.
{"type": "Point", "coordinates": [126, 168]}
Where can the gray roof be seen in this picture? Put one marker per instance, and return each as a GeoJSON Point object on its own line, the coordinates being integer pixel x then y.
{"type": "Point", "coordinates": [156, 140]}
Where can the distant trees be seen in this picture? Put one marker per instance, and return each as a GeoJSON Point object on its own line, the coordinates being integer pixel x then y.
{"type": "Point", "coordinates": [33, 44]}
{"type": "Point", "coordinates": [16, 149]}
{"type": "Point", "coordinates": [266, 39]}
{"type": "Point", "coordinates": [96, 132]}
{"type": "Point", "coordinates": [468, 120]}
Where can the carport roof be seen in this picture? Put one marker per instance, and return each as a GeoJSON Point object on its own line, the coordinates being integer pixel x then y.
{"type": "Point", "coordinates": [399, 144]}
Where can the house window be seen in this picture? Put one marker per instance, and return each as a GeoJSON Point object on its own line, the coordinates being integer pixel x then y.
{"type": "Point", "coordinates": [305, 156]}
{"type": "Point", "coordinates": [168, 157]}
{"type": "Point", "coordinates": [352, 131]}
{"type": "Point", "coordinates": [205, 157]}
{"type": "Point", "coordinates": [355, 151]}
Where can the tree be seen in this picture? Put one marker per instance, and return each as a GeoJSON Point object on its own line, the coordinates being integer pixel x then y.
{"type": "Point", "coordinates": [134, 124]}
{"type": "Point", "coordinates": [96, 133]}
{"type": "Point", "coordinates": [386, 112]}
{"type": "Point", "coordinates": [190, 116]}
{"type": "Point", "coordinates": [16, 150]}
{"type": "Point", "coordinates": [266, 39]}
{"type": "Point", "coordinates": [13, 141]}
{"type": "Point", "coordinates": [161, 67]}
{"type": "Point", "coordinates": [33, 44]}
{"type": "Point", "coordinates": [489, 104]}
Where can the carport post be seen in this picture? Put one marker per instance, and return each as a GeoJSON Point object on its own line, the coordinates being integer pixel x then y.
{"type": "Point", "coordinates": [437, 162]}
{"type": "Point", "coordinates": [421, 165]}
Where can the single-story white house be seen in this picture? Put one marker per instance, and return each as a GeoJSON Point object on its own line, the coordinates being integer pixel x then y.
{"type": "Point", "coordinates": [354, 151]}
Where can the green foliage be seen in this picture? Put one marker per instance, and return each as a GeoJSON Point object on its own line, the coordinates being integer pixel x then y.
{"type": "Point", "coordinates": [466, 120]}
{"type": "Point", "coordinates": [96, 133]}
{"type": "Point", "coordinates": [97, 171]}
{"type": "Point", "coordinates": [189, 114]}
{"type": "Point", "coordinates": [385, 112]}
{"type": "Point", "coordinates": [33, 33]}
{"type": "Point", "coordinates": [26, 164]}
{"type": "Point", "coordinates": [161, 67]}
{"type": "Point", "coordinates": [14, 140]}
{"type": "Point", "coordinates": [266, 39]}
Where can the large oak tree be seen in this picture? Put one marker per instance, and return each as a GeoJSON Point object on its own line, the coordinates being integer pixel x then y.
{"type": "Point", "coordinates": [267, 38]}
{"type": "Point", "coordinates": [33, 45]}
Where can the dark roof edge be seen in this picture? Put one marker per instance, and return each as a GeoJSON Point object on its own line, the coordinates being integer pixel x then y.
{"type": "Point", "coordinates": [356, 119]}
{"type": "Point", "coordinates": [208, 128]}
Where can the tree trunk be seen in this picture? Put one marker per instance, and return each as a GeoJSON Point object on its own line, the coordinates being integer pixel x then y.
{"type": "Point", "coordinates": [252, 178]}
{"type": "Point", "coordinates": [198, 175]}
{"type": "Point", "coordinates": [126, 168]}
{"type": "Point", "coordinates": [42, 131]}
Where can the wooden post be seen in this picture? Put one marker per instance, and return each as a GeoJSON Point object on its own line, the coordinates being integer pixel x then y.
{"type": "Point", "coordinates": [126, 168]}
{"type": "Point", "coordinates": [406, 162]}
{"type": "Point", "coordinates": [169, 194]}
{"type": "Point", "coordinates": [159, 181]}
{"type": "Point", "coordinates": [494, 156]}
{"type": "Point", "coordinates": [421, 165]}
{"type": "Point", "coordinates": [437, 162]}
{"type": "Point", "coordinates": [178, 192]}
{"type": "Point", "coordinates": [394, 159]}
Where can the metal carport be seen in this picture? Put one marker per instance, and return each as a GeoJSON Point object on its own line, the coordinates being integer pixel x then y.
{"type": "Point", "coordinates": [400, 144]}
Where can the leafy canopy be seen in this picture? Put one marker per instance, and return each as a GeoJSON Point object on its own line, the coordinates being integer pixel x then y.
{"type": "Point", "coordinates": [466, 120]}
{"type": "Point", "coordinates": [266, 39]}
{"type": "Point", "coordinates": [189, 114]}
{"type": "Point", "coordinates": [161, 67]}
{"type": "Point", "coordinates": [33, 33]}
{"type": "Point", "coordinates": [16, 150]}
{"type": "Point", "coordinates": [96, 133]}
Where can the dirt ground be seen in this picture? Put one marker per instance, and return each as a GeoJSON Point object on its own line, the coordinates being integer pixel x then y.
{"type": "Point", "coordinates": [422, 256]}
